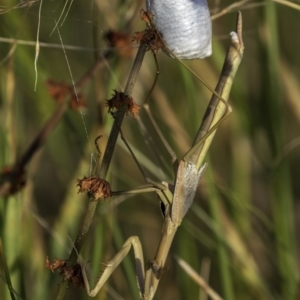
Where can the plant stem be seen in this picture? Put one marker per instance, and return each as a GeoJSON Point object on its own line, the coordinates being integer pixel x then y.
{"type": "Point", "coordinates": [3, 263]}
{"type": "Point", "coordinates": [105, 165]}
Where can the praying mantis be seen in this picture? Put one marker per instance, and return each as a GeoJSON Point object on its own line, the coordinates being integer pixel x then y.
{"type": "Point", "coordinates": [177, 199]}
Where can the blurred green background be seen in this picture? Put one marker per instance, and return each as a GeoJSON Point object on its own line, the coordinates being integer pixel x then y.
{"type": "Point", "coordinates": [242, 232]}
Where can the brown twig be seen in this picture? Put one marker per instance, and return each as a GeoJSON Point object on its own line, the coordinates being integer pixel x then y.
{"type": "Point", "coordinates": [86, 222]}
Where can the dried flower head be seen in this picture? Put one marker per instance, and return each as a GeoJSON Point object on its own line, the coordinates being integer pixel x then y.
{"type": "Point", "coordinates": [57, 90]}
{"type": "Point", "coordinates": [60, 90]}
{"type": "Point", "coordinates": [71, 273]}
{"type": "Point", "coordinates": [119, 99]}
{"type": "Point", "coordinates": [121, 41]}
{"type": "Point", "coordinates": [97, 187]}
{"type": "Point", "coordinates": [77, 102]}
{"type": "Point", "coordinates": [150, 36]}
{"type": "Point", "coordinates": [57, 264]}
{"type": "Point", "coordinates": [146, 16]}
{"type": "Point", "coordinates": [14, 178]}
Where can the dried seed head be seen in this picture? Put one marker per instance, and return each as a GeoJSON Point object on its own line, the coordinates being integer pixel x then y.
{"type": "Point", "coordinates": [71, 273]}
{"type": "Point", "coordinates": [146, 16]}
{"type": "Point", "coordinates": [60, 90]}
{"type": "Point", "coordinates": [57, 90]}
{"type": "Point", "coordinates": [97, 187]}
{"type": "Point", "coordinates": [13, 175]}
{"type": "Point", "coordinates": [117, 101]}
{"type": "Point", "coordinates": [77, 102]}
{"type": "Point", "coordinates": [151, 37]}
{"type": "Point", "coordinates": [120, 41]}
{"type": "Point", "coordinates": [57, 264]}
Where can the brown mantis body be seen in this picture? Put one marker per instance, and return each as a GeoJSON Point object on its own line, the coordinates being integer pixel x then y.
{"type": "Point", "coordinates": [188, 174]}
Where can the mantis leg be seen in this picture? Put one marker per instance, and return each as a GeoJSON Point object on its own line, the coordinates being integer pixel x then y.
{"type": "Point", "coordinates": [218, 108]}
{"type": "Point", "coordinates": [187, 178]}
{"type": "Point", "coordinates": [112, 264]}
{"type": "Point", "coordinates": [190, 170]}
{"type": "Point", "coordinates": [161, 189]}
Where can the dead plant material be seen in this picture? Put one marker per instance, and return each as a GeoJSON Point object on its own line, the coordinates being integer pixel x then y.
{"type": "Point", "coordinates": [147, 17]}
{"type": "Point", "coordinates": [71, 273]}
{"type": "Point", "coordinates": [77, 102]}
{"type": "Point", "coordinates": [118, 100]}
{"type": "Point", "coordinates": [97, 187]}
{"type": "Point", "coordinates": [57, 264]}
{"type": "Point", "coordinates": [120, 41]}
{"type": "Point", "coordinates": [60, 90]}
{"type": "Point", "coordinates": [14, 178]}
{"type": "Point", "coordinates": [150, 36]}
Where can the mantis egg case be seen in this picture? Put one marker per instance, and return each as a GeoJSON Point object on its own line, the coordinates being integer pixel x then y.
{"type": "Point", "coordinates": [185, 26]}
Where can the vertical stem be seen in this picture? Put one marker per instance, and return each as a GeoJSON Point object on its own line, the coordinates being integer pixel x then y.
{"type": "Point", "coordinates": [121, 112]}
{"type": "Point", "coordinates": [218, 108]}
{"type": "Point", "coordinates": [3, 264]}
{"type": "Point", "coordinates": [105, 164]}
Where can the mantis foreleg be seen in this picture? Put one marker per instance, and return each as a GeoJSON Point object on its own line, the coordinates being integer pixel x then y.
{"type": "Point", "coordinates": [112, 264]}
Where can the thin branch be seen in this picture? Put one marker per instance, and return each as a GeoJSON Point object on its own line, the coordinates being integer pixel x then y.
{"type": "Point", "coordinates": [86, 222]}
